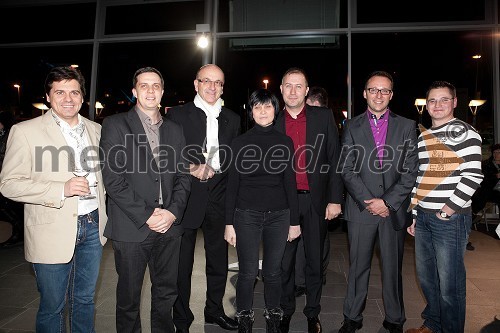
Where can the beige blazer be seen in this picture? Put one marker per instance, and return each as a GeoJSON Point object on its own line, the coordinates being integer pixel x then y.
{"type": "Point", "coordinates": [35, 169]}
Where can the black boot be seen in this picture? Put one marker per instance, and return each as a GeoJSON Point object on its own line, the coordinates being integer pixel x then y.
{"type": "Point", "coordinates": [245, 321]}
{"type": "Point", "coordinates": [273, 320]}
{"type": "Point", "coordinates": [16, 237]}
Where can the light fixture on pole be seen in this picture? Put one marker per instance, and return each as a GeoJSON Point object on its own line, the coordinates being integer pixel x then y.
{"type": "Point", "coordinates": [265, 81]}
{"type": "Point", "coordinates": [476, 58]}
{"type": "Point", "coordinates": [202, 33]}
{"type": "Point", "coordinates": [18, 93]}
{"type": "Point", "coordinates": [98, 108]}
{"type": "Point", "coordinates": [474, 105]}
{"type": "Point", "coordinates": [420, 105]}
{"type": "Point", "coordinates": [41, 106]}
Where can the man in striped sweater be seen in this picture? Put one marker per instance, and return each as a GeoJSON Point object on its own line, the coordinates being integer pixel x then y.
{"type": "Point", "coordinates": [449, 173]}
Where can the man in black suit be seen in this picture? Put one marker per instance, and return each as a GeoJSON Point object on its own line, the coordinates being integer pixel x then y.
{"type": "Point", "coordinates": [147, 182]}
{"type": "Point", "coordinates": [379, 170]}
{"type": "Point", "coordinates": [319, 187]}
{"type": "Point", "coordinates": [209, 129]}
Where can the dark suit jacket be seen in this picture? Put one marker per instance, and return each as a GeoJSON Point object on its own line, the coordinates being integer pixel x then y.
{"type": "Point", "coordinates": [322, 156]}
{"type": "Point", "coordinates": [132, 177]}
{"type": "Point", "coordinates": [194, 123]}
{"type": "Point", "coordinates": [363, 177]}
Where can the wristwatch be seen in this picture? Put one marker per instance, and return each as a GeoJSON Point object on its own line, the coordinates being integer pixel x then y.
{"type": "Point", "coordinates": [444, 215]}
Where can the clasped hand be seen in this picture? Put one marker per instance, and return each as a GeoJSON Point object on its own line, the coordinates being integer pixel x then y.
{"type": "Point", "coordinates": [161, 220]}
{"type": "Point", "coordinates": [377, 206]}
{"type": "Point", "coordinates": [201, 171]}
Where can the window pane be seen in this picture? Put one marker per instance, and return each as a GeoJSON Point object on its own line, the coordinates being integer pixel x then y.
{"type": "Point", "coordinates": [397, 11]}
{"type": "Point", "coordinates": [156, 17]}
{"type": "Point", "coordinates": [28, 68]}
{"type": "Point", "coordinates": [417, 59]}
{"type": "Point", "coordinates": [47, 23]}
{"type": "Point", "coordinates": [267, 15]}
{"type": "Point", "coordinates": [177, 60]}
{"type": "Point", "coordinates": [246, 69]}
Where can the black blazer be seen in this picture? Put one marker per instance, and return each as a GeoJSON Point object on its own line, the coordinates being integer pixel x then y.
{"type": "Point", "coordinates": [131, 176]}
{"type": "Point", "coordinates": [194, 123]}
{"type": "Point", "coordinates": [322, 136]}
{"type": "Point", "coordinates": [364, 178]}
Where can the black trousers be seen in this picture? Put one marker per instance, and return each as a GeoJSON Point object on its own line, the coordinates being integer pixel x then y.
{"type": "Point", "coordinates": [213, 228]}
{"type": "Point", "coordinates": [160, 253]}
{"type": "Point", "coordinates": [251, 227]}
{"type": "Point", "coordinates": [314, 228]}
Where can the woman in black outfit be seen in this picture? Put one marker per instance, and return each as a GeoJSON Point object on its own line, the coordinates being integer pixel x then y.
{"type": "Point", "coordinates": [261, 203]}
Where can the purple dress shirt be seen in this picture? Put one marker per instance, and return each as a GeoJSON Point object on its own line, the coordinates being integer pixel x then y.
{"type": "Point", "coordinates": [379, 131]}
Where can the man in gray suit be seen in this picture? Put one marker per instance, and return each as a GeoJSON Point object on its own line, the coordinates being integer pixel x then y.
{"type": "Point", "coordinates": [379, 171]}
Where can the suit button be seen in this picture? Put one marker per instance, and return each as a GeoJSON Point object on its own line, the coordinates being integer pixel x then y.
{"type": "Point", "coordinates": [156, 180]}
{"type": "Point", "coordinates": [380, 186]}
{"type": "Point", "coordinates": [156, 200]}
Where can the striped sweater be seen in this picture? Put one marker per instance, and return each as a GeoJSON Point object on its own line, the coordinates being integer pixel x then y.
{"type": "Point", "coordinates": [449, 167]}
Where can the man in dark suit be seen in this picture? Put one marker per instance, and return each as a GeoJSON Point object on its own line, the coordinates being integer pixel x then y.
{"type": "Point", "coordinates": [209, 129]}
{"type": "Point", "coordinates": [379, 170]}
{"type": "Point", "coordinates": [319, 187]}
{"type": "Point", "coordinates": [147, 182]}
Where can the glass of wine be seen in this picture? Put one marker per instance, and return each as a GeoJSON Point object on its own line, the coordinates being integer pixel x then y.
{"type": "Point", "coordinates": [84, 173]}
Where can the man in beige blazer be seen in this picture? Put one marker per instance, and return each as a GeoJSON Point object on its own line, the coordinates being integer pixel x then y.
{"type": "Point", "coordinates": [63, 229]}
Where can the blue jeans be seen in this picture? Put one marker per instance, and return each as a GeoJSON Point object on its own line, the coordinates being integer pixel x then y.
{"type": "Point", "coordinates": [75, 280]}
{"type": "Point", "coordinates": [251, 226]}
{"type": "Point", "coordinates": [439, 253]}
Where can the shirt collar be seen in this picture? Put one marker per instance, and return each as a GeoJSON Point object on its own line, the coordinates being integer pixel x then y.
{"type": "Point", "coordinates": [65, 126]}
{"type": "Point", "coordinates": [302, 114]}
{"type": "Point", "coordinates": [146, 119]}
{"type": "Point", "coordinates": [382, 117]}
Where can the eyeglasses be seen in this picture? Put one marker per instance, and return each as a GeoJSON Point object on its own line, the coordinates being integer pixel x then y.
{"type": "Point", "coordinates": [375, 91]}
{"type": "Point", "coordinates": [208, 82]}
{"type": "Point", "coordinates": [444, 100]}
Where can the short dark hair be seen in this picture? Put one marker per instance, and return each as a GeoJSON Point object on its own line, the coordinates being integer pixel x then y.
{"type": "Point", "coordinates": [295, 70]}
{"type": "Point", "coordinates": [318, 94]}
{"type": "Point", "coordinates": [263, 96]}
{"type": "Point", "coordinates": [64, 73]}
{"type": "Point", "coordinates": [494, 147]}
{"type": "Point", "coordinates": [147, 70]}
{"type": "Point", "coordinates": [442, 84]}
{"type": "Point", "coordinates": [380, 73]}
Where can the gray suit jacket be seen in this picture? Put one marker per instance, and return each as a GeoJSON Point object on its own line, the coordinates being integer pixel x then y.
{"type": "Point", "coordinates": [365, 179]}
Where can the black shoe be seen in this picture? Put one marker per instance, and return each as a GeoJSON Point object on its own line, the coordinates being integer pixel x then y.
{"type": "Point", "coordinates": [350, 326]}
{"type": "Point", "coordinates": [314, 325]}
{"type": "Point", "coordinates": [223, 321]}
{"type": "Point", "coordinates": [182, 330]}
{"type": "Point", "coordinates": [393, 328]}
{"type": "Point", "coordinates": [469, 246]}
{"type": "Point", "coordinates": [300, 291]}
{"type": "Point", "coordinates": [285, 323]}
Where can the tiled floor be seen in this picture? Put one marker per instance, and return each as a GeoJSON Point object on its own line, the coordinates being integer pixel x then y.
{"type": "Point", "coordinates": [19, 297]}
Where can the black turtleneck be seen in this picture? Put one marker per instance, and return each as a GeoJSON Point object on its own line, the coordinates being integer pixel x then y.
{"type": "Point", "coordinates": [261, 175]}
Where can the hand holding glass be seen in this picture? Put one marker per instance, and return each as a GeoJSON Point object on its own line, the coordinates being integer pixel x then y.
{"type": "Point", "coordinates": [84, 173]}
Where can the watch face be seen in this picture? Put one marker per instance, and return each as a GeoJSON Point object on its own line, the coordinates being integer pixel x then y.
{"type": "Point", "coordinates": [443, 214]}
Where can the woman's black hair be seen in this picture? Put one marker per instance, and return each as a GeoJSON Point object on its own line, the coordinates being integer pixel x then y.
{"type": "Point", "coordinates": [263, 96]}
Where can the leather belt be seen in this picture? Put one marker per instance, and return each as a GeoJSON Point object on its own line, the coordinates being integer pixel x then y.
{"type": "Point", "coordinates": [303, 191]}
